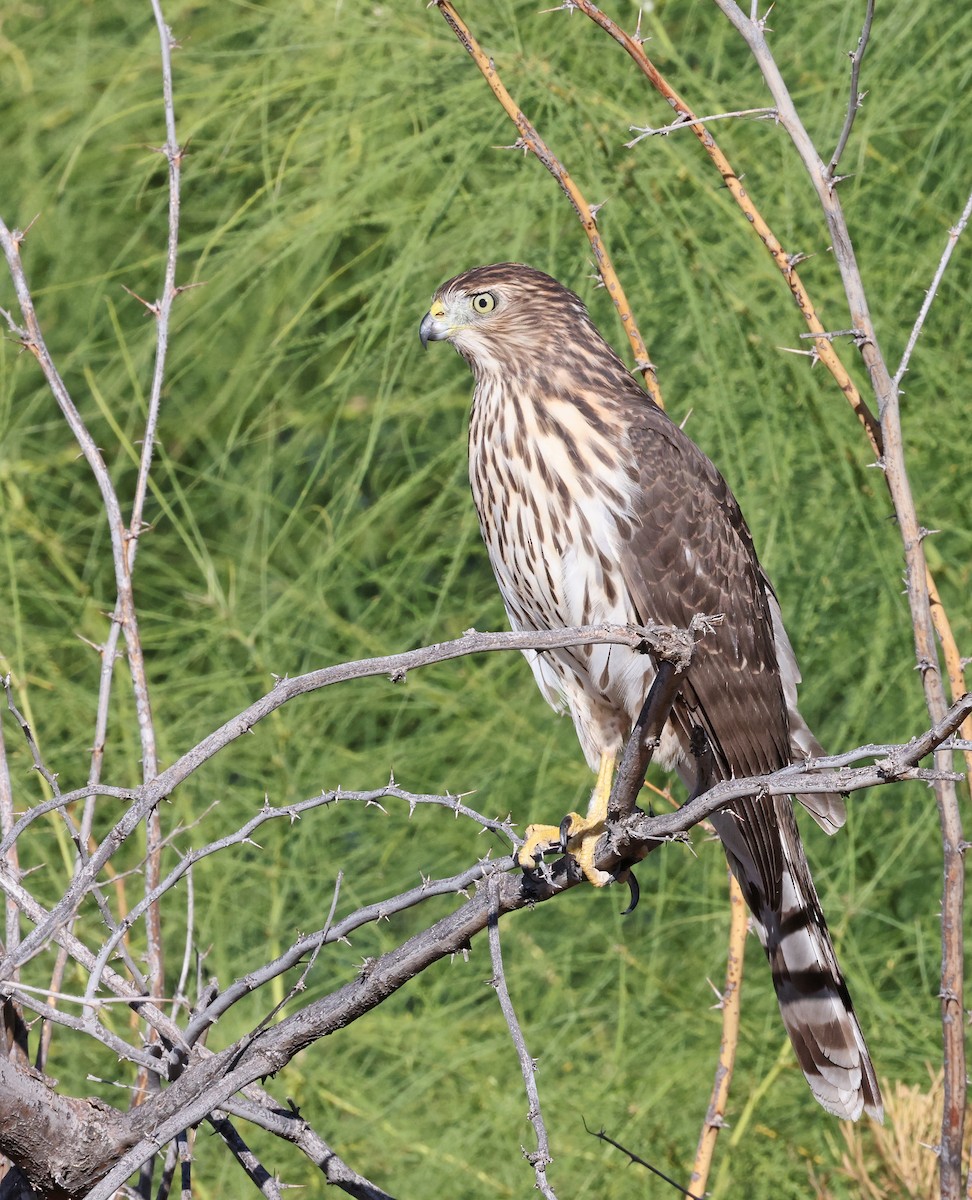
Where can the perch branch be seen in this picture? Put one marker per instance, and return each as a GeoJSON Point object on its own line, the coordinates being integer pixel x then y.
{"type": "Point", "coordinates": [210, 1083]}
{"type": "Point", "coordinates": [660, 639]}
{"type": "Point", "coordinates": [211, 1080]}
{"type": "Point", "coordinates": [339, 931]}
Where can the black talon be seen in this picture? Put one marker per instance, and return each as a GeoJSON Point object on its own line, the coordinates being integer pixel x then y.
{"type": "Point", "coordinates": [564, 834]}
{"type": "Point", "coordinates": [635, 891]}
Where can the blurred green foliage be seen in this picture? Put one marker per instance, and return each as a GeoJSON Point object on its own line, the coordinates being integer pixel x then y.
{"type": "Point", "coordinates": [309, 505]}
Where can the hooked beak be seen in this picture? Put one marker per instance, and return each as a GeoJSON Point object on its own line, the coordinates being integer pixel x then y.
{"type": "Point", "coordinates": [432, 328]}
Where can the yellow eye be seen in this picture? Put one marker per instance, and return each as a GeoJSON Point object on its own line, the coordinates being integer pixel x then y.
{"type": "Point", "coordinates": [484, 302]}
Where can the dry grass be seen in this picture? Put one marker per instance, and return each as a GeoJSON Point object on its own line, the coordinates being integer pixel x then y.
{"type": "Point", "coordinates": [898, 1159]}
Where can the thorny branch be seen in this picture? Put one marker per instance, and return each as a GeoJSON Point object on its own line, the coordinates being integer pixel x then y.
{"type": "Point", "coordinates": [953, 236]}
{"type": "Point", "coordinates": [730, 1001]}
{"type": "Point", "coordinates": [530, 140]}
{"type": "Point", "coordinates": [923, 619]}
{"type": "Point", "coordinates": [856, 96]}
{"type": "Point", "coordinates": [210, 1083]}
{"type": "Point", "coordinates": [540, 1158]}
{"type": "Point", "coordinates": [395, 666]}
{"type": "Point", "coordinates": [786, 263]}
{"type": "Point", "coordinates": [202, 1082]}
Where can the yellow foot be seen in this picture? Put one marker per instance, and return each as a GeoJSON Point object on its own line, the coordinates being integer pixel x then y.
{"type": "Point", "coordinates": [577, 836]}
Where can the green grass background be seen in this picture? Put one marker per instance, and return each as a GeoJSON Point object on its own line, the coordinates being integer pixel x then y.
{"type": "Point", "coordinates": [309, 505]}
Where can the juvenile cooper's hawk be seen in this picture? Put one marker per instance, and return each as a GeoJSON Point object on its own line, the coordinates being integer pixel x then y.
{"type": "Point", "coordinates": [595, 507]}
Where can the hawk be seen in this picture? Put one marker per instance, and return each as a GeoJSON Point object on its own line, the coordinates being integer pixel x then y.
{"type": "Point", "coordinates": [595, 507]}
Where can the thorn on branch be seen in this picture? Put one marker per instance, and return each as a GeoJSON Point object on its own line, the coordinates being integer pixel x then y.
{"type": "Point", "coordinates": [519, 144]}
{"type": "Point", "coordinates": [761, 24]}
{"type": "Point", "coordinates": [20, 235]}
{"type": "Point", "coordinates": [152, 306]}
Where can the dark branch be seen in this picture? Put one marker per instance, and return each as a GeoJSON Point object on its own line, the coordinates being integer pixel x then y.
{"type": "Point", "coordinates": [856, 96]}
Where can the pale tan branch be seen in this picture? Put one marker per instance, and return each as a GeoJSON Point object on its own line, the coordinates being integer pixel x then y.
{"type": "Point", "coordinates": [531, 140]}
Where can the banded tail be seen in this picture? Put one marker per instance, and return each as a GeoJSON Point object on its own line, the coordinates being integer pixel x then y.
{"type": "Point", "coordinates": [813, 997]}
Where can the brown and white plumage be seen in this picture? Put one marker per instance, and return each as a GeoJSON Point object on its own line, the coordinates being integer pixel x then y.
{"type": "Point", "coordinates": [595, 507]}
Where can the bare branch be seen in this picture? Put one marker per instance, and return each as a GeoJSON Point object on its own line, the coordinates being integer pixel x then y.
{"type": "Point", "coordinates": [785, 263]}
{"type": "Point", "coordinates": [730, 1001]}
{"type": "Point", "coordinates": [309, 944]}
{"type": "Point", "coordinates": [660, 639]}
{"type": "Point", "coordinates": [88, 1027]}
{"type": "Point", "coordinates": [292, 1127]}
{"type": "Point", "coordinates": [681, 122]}
{"type": "Point", "coordinates": [816, 775]}
{"type": "Point", "coordinates": [539, 1159]}
{"type": "Point", "coordinates": [212, 1082]}
{"type": "Point", "coordinates": [8, 851]}
{"type": "Point", "coordinates": [923, 617]}
{"type": "Point", "coordinates": [953, 236]}
{"type": "Point", "coordinates": [33, 340]}
{"type": "Point", "coordinates": [856, 96]}
{"type": "Point", "coordinates": [39, 766]}
{"type": "Point", "coordinates": [530, 140]}
{"type": "Point", "coordinates": [256, 1171]}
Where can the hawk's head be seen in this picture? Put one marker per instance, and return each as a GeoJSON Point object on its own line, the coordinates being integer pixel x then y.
{"type": "Point", "coordinates": [498, 315]}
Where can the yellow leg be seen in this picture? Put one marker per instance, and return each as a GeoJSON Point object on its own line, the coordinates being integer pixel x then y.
{"type": "Point", "coordinates": [583, 833]}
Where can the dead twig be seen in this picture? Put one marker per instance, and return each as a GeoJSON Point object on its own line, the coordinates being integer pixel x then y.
{"type": "Point", "coordinates": [786, 263]}
{"type": "Point", "coordinates": [531, 140]}
{"type": "Point", "coordinates": [539, 1159]}
{"type": "Point", "coordinates": [730, 1001]}
{"type": "Point", "coordinates": [856, 96]}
